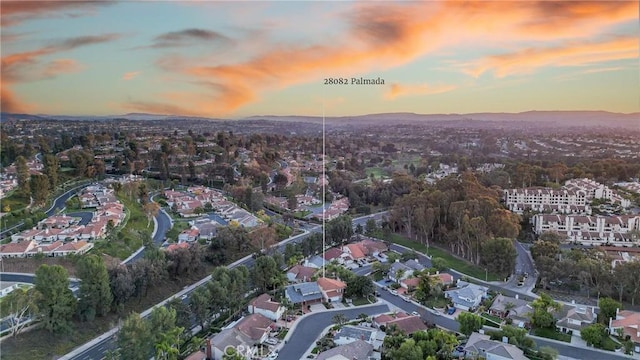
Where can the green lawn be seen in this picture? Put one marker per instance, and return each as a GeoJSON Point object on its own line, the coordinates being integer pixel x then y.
{"type": "Point", "coordinates": [437, 302]}
{"type": "Point", "coordinates": [551, 334]}
{"type": "Point", "coordinates": [495, 319]}
{"type": "Point", "coordinates": [131, 235]}
{"type": "Point", "coordinates": [453, 262]}
{"type": "Point", "coordinates": [360, 301]}
{"type": "Point", "coordinates": [610, 344]}
{"type": "Point", "coordinates": [376, 171]}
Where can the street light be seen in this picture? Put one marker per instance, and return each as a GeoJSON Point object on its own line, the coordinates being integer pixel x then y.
{"type": "Point", "coordinates": [486, 275]}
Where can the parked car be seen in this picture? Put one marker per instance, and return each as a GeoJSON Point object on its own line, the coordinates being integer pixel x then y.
{"type": "Point", "coordinates": [271, 341]}
{"type": "Point", "coordinates": [415, 313]}
{"type": "Point", "coordinates": [451, 310]}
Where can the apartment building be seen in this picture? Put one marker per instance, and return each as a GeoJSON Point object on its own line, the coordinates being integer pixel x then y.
{"type": "Point", "coordinates": [590, 230]}
{"type": "Point", "coordinates": [539, 199]}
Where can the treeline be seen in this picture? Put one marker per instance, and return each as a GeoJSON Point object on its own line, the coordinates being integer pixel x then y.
{"type": "Point", "coordinates": [458, 213]}
{"type": "Point", "coordinates": [588, 271]}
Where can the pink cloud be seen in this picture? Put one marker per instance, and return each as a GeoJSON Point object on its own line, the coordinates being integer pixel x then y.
{"type": "Point", "coordinates": [130, 75]}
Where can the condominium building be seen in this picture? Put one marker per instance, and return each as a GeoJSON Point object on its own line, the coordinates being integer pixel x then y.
{"type": "Point", "coordinates": [546, 200]}
{"type": "Point", "coordinates": [595, 190]}
{"type": "Point", "coordinates": [590, 230]}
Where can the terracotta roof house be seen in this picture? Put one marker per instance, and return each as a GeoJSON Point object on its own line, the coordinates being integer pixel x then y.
{"type": "Point", "coordinates": [300, 273]}
{"type": "Point", "coordinates": [357, 251]}
{"type": "Point", "coordinates": [443, 278]}
{"type": "Point", "coordinates": [265, 306]}
{"type": "Point", "coordinates": [332, 253]}
{"type": "Point", "coordinates": [332, 289]}
{"type": "Point", "coordinates": [410, 284]}
{"type": "Point", "coordinates": [74, 247]}
{"type": "Point", "coordinates": [480, 346]}
{"type": "Point", "coordinates": [18, 249]}
{"type": "Point", "coordinates": [629, 322]}
{"type": "Point", "coordinates": [577, 317]}
{"type": "Point", "coordinates": [406, 323]}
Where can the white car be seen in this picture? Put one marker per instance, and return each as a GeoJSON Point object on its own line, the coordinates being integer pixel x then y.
{"type": "Point", "coordinates": [271, 341]}
{"type": "Point", "coordinates": [272, 356]}
{"type": "Point", "coordinates": [415, 313]}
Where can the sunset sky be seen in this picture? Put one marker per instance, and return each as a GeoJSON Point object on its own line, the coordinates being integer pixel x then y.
{"type": "Point", "coordinates": [231, 60]}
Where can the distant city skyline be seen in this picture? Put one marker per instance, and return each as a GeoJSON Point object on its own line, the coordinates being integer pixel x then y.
{"type": "Point", "coordinates": [238, 59]}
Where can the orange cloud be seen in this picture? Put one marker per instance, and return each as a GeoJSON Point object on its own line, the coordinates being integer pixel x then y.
{"type": "Point", "coordinates": [396, 90]}
{"type": "Point", "coordinates": [15, 12]}
{"type": "Point", "coordinates": [130, 75]}
{"type": "Point", "coordinates": [572, 54]}
{"type": "Point", "coordinates": [27, 66]}
{"type": "Point", "coordinates": [386, 35]}
{"type": "Point", "coordinates": [10, 103]}
{"type": "Point", "coordinates": [60, 66]}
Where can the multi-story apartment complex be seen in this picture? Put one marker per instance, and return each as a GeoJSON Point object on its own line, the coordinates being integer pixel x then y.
{"type": "Point", "coordinates": [595, 190]}
{"type": "Point", "coordinates": [590, 230]}
{"type": "Point", "coordinates": [546, 200]}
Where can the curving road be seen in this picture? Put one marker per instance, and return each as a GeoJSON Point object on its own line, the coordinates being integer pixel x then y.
{"type": "Point", "coordinates": [307, 329]}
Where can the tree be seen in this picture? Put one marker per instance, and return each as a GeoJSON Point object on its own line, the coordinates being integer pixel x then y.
{"type": "Point", "coordinates": [499, 256]}
{"type": "Point", "coordinates": [57, 303]}
{"type": "Point", "coordinates": [548, 352]}
{"type": "Point", "coordinates": [263, 272]}
{"type": "Point", "coordinates": [165, 333]}
{"type": "Point", "coordinates": [594, 334]}
{"type": "Point", "coordinates": [151, 209]}
{"type": "Point", "coordinates": [134, 338]}
{"type": "Point", "coordinates": [183, 312]}
{"type": "Point", "coordinates": [439, 263]}
{"type": "Point", "coordinates": [370, 227]}
{"type": "Point", "coordinates": [122, 286]}
{"type": "Point", "coordinates": [469, 323]}
{"type": "Point", "coordinates": [51, 166]}
{"type": "Point", "coordinates": [359, 286]}
{"type": "Point", "coordinates": [199, 304]}
{"type": "Point", "coordinates": [22, 174]}
{"type": "Point", "coordinates": [423, 290]}
{"type": "Point", "coordinates": [339, 319]}
{"type": "Point", "coordinates": [408, 350]}
{"type": "Point", "coordinates": [18, 307]}
{"type": "Point", "coordinates": [608, 308]}
{"type": "Point", "coordinates": [95, 291]}
{"type": "Point", "coordinates": [544, 248]}
{"type": "Point", "coordinates": [543, 307]}
{"type": "Point", "coordinates": [39, 186]}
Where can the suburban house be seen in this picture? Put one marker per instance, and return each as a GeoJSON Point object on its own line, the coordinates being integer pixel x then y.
{"type": "Point", "coordinates": [256, 327]}
{"type": "Point", "coordinates": [17, 249]}
{"type": "Point", "coordinates": [304, 293]}
{"type": "Point", "coordinates": [248, 332]}
{"type": "Point", "coordinates": [577, 317]}
{"type": "Point", "coordinates": [300, 273]}
{"type": "Point", "coordinates": [444, 278]}
{"type": "Point", "coordinates": [414, 264]}
{"type": "Point", "coordinates": [399, 271]}
{"type": "Point", "coordinates": [359, 349]}
{"type": "Point", "coordinates": [404, 322]}
{"type": "Point", "coordinates": [332, 289]}
{"type": "Point", "coordinates": [207, 230]}
{"type": "Point", "coordinates": [357, 251]}
{"type": "Point", "coordinates": [515, 309]}
{"type": "Point", "coordinates": [188, 235]}
{"type": "Point", "coordinates": [466, 296]}
{"type": "Point", "coordinates": [265, 306]}
{"type": "Point", "coordinates": [629, 322]}
{"type": "Point", "coordinates": [348, 334]}
{"type": "Point", "coordinates": [333, 253]}
{"type": "Point", "coordinates": [480, 346]}
{"type": "Point", "coordinates": [410, 284]}
{"type": "Point", "coordinates": [315, 262]}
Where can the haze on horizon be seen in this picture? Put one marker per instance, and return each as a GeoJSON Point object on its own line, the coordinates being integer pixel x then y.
{"type": "Point", "coordinates": [224, 59]}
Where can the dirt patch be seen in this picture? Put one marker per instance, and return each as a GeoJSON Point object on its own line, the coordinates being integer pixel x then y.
{"type": "Point", "coordinates": [30, 265]}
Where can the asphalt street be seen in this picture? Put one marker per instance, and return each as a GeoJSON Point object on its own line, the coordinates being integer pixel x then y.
{"type": "Point", "coordinates": [310, 327]}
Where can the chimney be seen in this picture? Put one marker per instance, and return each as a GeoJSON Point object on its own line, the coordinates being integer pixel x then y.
{"type": "Point", "coordinates": [209, 351]}
{"type": "Point", "coordinates": [505, 339]}
{"type": "Point", "coordinates": [573, 302]}
{"type": "Point", "coordinates": [517, 296]}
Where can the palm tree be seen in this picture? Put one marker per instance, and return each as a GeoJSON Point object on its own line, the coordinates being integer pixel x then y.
{"type": "Point", "coordinates": [508, 307]}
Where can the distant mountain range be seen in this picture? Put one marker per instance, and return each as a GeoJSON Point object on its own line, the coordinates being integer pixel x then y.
{"type": "Point", "coordinates": [546, 118]}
